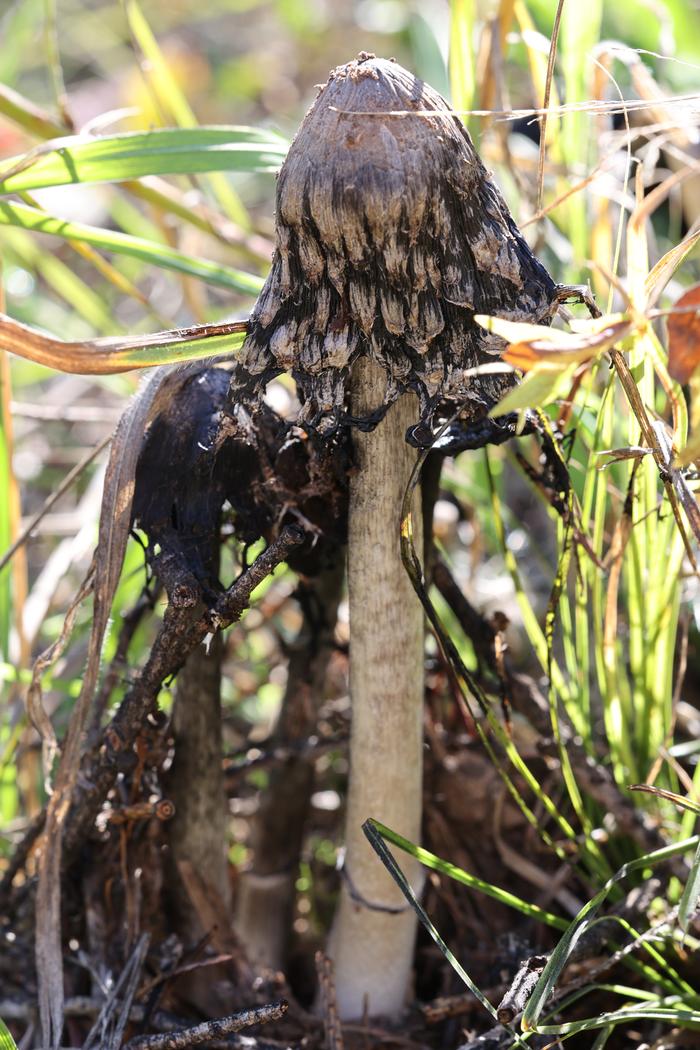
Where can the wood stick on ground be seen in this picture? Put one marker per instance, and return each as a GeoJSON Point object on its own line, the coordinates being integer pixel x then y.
{"type": "Point", "coordinates": [208, 1030]}
{"type": "Point", "coordinates": [521, 988]}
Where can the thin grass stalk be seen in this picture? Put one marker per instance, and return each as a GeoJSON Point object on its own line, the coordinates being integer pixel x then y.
{"type": "Point", "coordinates": [470, 690]}
{"type": "Point", "coordinates": [555, 607]}
{"type": "Point", "coordinates": [530, 622]}
{"type": "Point", "coordinates": [580, 33]}
{"type": "Point", "coordinates": [14, 588]}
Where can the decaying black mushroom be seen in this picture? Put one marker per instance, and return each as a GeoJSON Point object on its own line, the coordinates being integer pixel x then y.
{"type": "Point", "coordinates": [201, 453]}
{"type": "Point", "coordinates": [390, 237]}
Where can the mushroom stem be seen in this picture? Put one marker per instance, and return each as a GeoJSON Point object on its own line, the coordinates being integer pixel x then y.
{"type": "Point", "coordinates": [373, 949]}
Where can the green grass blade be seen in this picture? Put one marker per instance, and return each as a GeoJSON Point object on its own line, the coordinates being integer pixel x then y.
{"type": "Point", "coordinates": [374, 832]}
{"type": "Point", "coordinates": [173, 102]}
{"type": "Point", "coordinates": [559, 957]}
{"type": "Point", "coordinates": [6, 1040]}
{"type": "Point", "coordinates": [429, 860]}
{"type": "Point", "coordinates": [161, 255]}
{"type": "Point", "coordinates": [689, 899]}
{"type": "Point", "coordinates": [675, 1014]}
{"type": "Point", "coordinates": [135, 154]}
{"type": "Point", "coordinates": [602, 1037]}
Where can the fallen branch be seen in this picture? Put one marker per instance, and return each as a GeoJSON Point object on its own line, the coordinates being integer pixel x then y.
{"type": "Point", "coordinates": [208, 1030]}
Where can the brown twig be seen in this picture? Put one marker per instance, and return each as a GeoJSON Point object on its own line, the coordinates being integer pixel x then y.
{"type": "Point", "coordinates": [208, 1030]}
{"type": "Point", "coordinates": [182, 630]}
{"type": "Point", "coordinates": [15, 1009]}
{"type": "Point", "coordinates": [329, 1008]}
{"type": "Point", "coordinates": [521, 988]}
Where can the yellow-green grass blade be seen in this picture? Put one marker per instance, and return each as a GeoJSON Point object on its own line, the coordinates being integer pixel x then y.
{"type": "Point", "coordinates": [21, 111]}
{"type": "Point", "coordinates": [674, 1013]}
{"type": "Point", "coordinates": [6, 1040]}
{"type": "Point", "coordinates": [161, 255]}
{"type": "Point", "coordinates": [376, 838]}
{"type": "Point", "coordinates": [462, 80]}
{"type": "Point", "coordinates": [62, 279]}
{"type": "Point", "coordinates": [173, 102]}
{"type": "Point", "coordinates": [689, 899]}
{"type": "Point", "coordinates": [5, 541]}
{"type": "Point", "coordinates": [135, 154]}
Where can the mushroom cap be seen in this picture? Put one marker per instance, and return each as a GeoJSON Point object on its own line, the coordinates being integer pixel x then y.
{"type": "Point", "coordinates": [391, 235]}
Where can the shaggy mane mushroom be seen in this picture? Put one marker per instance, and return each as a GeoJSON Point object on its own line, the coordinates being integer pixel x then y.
{"type": "Point", "coordinates": [390, 237]}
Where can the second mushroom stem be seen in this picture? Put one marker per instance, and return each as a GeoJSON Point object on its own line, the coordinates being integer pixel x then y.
{"type": "Point", "coordinates": [374, 931]}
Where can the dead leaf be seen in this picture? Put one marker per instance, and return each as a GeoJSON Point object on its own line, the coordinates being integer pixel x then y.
{"type": "Point", "coordinates": [553, 355]}
{"type": "Point", "coordinates": [684, 336]}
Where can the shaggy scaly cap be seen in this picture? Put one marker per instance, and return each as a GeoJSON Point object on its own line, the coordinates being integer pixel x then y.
{"type": "Point", "coordinates": [390, 237]}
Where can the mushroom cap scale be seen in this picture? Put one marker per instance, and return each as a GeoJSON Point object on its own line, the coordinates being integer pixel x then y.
{"type": "Point", "coordinates": [391, 235]}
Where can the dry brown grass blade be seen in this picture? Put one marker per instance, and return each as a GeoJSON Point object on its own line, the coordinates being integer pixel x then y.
{"type": "Point", "coordinates": [115, 522]}
{"type": "Point", "coordinates": [108, 1030]}
{"type": "Point", "coordinates": [542, 212]}
{"type": "Point", "coordinates": [665, 268]}
{"type": "Point", "coordinates": [657, 196]}
{"type": "Point", "coordinates": [491, 59]}
{"type": "Point", "coordinates": [681, 130]}
{"type": "Point", "coordinates": [35, 708]}
{"type": "Point", "coordinates": [676, 486]}
{"type": "Point", "coordinates": [112, 355]}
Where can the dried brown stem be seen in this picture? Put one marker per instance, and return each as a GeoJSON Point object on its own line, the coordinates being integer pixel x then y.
{"type": "Point", "coordinates": [329, 1007]}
